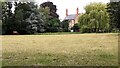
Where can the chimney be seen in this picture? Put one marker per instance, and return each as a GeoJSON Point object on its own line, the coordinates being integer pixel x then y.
{"type": "Point", "coordinates": [77, 11]}
{"type": "Point", "coordinates": [66, 12]}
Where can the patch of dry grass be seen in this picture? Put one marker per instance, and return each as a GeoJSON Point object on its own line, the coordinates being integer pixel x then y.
{"type": "Point", "coordinates": [71, 49]}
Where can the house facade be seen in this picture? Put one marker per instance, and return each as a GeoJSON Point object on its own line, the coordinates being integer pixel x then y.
{"type": "Point", "coordinates": [73, 18]}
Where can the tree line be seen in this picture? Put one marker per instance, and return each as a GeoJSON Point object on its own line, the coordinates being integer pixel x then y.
{"type": "Point", "coordinates": [29, 18]}
{"type": "Point", "coordinates": [100, 18]}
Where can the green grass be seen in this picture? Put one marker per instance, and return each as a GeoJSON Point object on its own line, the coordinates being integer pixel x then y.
{"type": "Point", "coordinates": [66, 33]}
{"type": "Point", "coordinates": [60, 50]}
{"type": "Point", "coordinates": [58, 33]}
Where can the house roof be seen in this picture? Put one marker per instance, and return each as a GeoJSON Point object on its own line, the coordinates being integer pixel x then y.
{"type": "Point", "coordinates": [70, 17]}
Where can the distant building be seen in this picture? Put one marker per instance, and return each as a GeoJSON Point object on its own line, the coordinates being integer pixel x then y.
{"type": "Point", "coordinates": [73, 18]}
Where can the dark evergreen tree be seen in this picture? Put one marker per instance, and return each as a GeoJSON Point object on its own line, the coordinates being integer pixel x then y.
{"type": "Point", "coordinates": [52, 18]}
{"type": "Point", "coordinates": [114, 12]}
{"type": "Point", "coordinates": [54, 25]}
{"type": "Point", "coordinates": [7, 18]}
{"type": "Point", "coordinates": [0, 18]}
{"type": "Point", "coordinates": [65, 25]}
{"type": "Point", "coordinates": [52, 8]}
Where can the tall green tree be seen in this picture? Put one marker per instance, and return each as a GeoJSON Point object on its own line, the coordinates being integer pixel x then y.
{"type": "Point", "coordinates": [0, 17]}
{"type": "Point", "coordinates": [52, 7]}
{"type": "Point", "coordinates": [28, 18]}
{"type": "Point", "coordinates": [65, 25]}
{"type": "Point", "coordinates": [95, 19]}
{"type": "Point", "coordinates": [52, 22]}
{"type": "Point", "coordinates": [44, 16]}
{"type": "Point", "coordinates": [7, 18]}
{"type": "Point", "coordinates": [114, 12]}
{"type": "Point", "coordinates": [0, 27]}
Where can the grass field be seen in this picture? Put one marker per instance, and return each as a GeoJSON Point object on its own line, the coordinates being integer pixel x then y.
{"type": "Point", "coordinates": [59, 50]}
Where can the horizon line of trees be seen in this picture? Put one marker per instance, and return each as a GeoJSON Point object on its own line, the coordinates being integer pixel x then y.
{"type": "Point", "coordinates": [100, 18]}
{"type": "Point", "coordinates": [29, 18]}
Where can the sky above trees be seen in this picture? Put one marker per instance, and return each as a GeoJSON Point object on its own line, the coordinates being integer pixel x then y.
{"type": "Point", "coordinates": [71, 5]}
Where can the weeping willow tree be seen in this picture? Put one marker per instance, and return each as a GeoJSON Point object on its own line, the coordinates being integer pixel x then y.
{"type": "Point", "coordinates": [95, 19]}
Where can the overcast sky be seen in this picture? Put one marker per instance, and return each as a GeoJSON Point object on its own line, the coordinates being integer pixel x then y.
{"type": "Point", "coordinates": [71, 5]}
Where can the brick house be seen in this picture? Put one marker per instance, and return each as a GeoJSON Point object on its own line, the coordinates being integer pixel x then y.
{"type": "Point", "coordinates": [73, 18]}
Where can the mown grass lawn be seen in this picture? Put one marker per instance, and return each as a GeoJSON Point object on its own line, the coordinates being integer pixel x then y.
{"type": "Point", "coordinates": [60, 50]}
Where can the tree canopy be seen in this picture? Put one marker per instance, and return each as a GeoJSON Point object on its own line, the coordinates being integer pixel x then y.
{"type": "Point", "coordinates": [114, 12]}
{"type": "Point", "coordinates": [52, 7]}
{"type": "Point", "coordinates": [7, 18]}
{"type": "Point", "coordinates": [52, 22]}
{"type": "Point", "coordinates": [28, 18]}
{"type": "Point", "coordinates": [95, 19]}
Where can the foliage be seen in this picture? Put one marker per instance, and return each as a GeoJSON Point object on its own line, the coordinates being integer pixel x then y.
{"type": "Point", "coordinates": [95, 19]}
{"type": "Point", "coordinates": [51, 18]}
{"type": "Point", "coordinates": [0, 20]}
{"type": "Point", "coordinates": [75, 27]}
{"type": "Point", "coordinates": [52, 8]}
{"type": "Point", "coordinates": [85, 29]}
{"type": "Point", "coordinates": [7, 18]}
{"type": "Point", "coordinates": [65, 25]}
{"type": "Point", "coordinates": [27, 17]}
{"type": "Point", "coordinates": [53, 25]}
{"type": "Point", "coordinates": [0, 27]}
{"type": "Point", "coordinates": [114, 11]}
